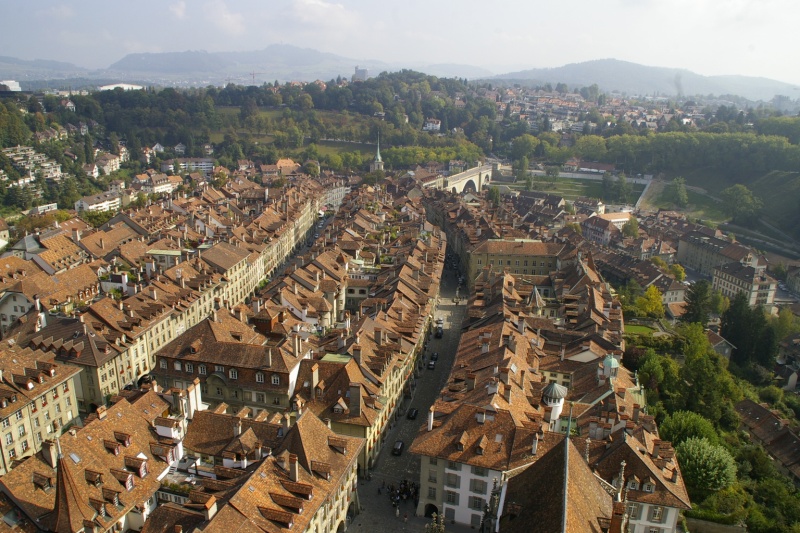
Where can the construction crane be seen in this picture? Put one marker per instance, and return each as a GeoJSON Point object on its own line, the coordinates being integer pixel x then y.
{"type": "Point", "coordinates": [253, 74]}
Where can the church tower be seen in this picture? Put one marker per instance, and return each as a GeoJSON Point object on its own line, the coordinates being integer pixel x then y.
{"type": "Point", "coordinates": [377, 163]}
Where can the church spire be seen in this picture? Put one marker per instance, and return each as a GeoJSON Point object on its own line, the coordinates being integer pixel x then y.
{"type": "Point", "coordinates": [378, 151]}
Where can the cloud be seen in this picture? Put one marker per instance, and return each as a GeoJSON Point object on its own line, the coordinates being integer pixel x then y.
{"type": "Point", "coordinates": [178, 9]}
{"type": "Point", "coordinates": [218, 13]}
{"type": "Point", "coordinates": [58, 12]}
{"type": "Point", "coordinates": [320, 13]}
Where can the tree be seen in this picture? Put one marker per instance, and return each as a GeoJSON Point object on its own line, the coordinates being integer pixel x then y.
{"type": "Point", "coordinates": [740, 203]}
{"type": "Point", "coordinates": [698, 303]}
{"type": "Point", "coordinates": [552, 172]}
{"type": "Point", "coordinates": [679, 194]}
{"type": "Point", "coordinates": [677, 272]}
{"type": "Point", "coordinates": [493, 196]}
{"type": "Point", "coordinates": [520, 168]}
{"type": "Point", "coordinates": [436, 524]}
{"type": "Point", "coordinates": [706, 467]}
{"type": "Point", "coordinates": [631, 228]}
{"type": "Point", "coordinates": [660, 263]}
{"type": "Point", "coordinates": [651, 303]}
{"type": "Point", "coordinates": [683, 425]}
{"type": "Point", "coordinates": [719, 302]}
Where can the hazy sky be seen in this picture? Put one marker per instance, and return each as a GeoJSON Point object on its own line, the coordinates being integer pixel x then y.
{"type": "Point", "coordinates": [750, 37]}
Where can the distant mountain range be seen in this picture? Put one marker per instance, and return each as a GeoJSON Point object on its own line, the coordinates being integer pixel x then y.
{"type": "Point", "coordinates": [632, 78]}
{"type": "Point", "coordinates": [285, 62]}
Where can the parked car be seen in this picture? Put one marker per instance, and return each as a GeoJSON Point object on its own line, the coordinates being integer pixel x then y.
{"type": "Point", "coordinates": [412, 414]}
{"type": "Point", "coordinates": [435, 356]}
{"type": "Point", "coordinates": [431, 365]}
{"type": "Point", "coordinates": [439, 332]}
{"type": "Point", "coordinates": [398, 447]}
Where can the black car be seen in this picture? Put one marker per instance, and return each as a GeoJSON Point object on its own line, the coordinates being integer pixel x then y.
{"type": "Point", "coordinates": [412, 414]}
{"type": "Point", "coordinates": [431, 365]}
{"type": "Point", "coordinates": [398, 447]}
{"type": "Point", "coordinates": [435, 356]}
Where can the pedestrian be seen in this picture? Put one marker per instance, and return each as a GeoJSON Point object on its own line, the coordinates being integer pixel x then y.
{"type": "Point", "coordinates": [397, 512]}
{"type": "Point", "coordinates": [405, 517]}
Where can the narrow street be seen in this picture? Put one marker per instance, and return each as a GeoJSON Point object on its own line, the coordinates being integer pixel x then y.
{"type": "Point", "coordinates": [378, 513]}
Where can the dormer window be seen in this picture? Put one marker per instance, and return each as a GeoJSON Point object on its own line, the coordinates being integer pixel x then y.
{"type": "Point", "coordinates": [201, 370]}
{"type": "Point", "coordinates": [129, 483]}
{"type": "Point", "coordinates": [633, 484]}
{"type": "Point", "coordinates": [648, 487]}
{"type": "Point", "coordinates": [259, 377]}
{"type": "Point", "coordinates": [233, 373]}
{"type": "Point", "coordinates": [276, 379]}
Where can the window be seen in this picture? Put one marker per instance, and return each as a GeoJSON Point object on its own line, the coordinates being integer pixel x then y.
{"type": "Point", "coordinates": [656, 514]}
{"type": "Point", "coordinates": [201, 370]}
{"type": "Point", "coordinates": [12, 453]}
{"type": "Point", "coordinates": [9, 439]}
{"type": "Point", "coordinates": [164, 364]}
{"type": "Point", "coordinates": [18, 415]}
{"type": "Point", "coordinates": [648, 487]}
{"type": "Point", "coordinates": [433, 461]}
{"type": "Point", "coordinates": [21, 431]}
{"type": "Point", "coordinates": [190, 368]}
{"type": "Point", "coordinates": [276, 379]}
{"type": "Point", "coordinates": [24, 446]}
{"type": "Point", "coordinates": [478, 486]}
{"type": "Point", "coordinates": [432, 493]}
{"type": "Point", "coordinates": [432, 476]}
{"type": "Point", "coordinates": [276, 400]}
{"type": "Point", "coordinates": [452, 465]}
{"type": "Point", "coordinates": [219, 391]}
{"type": "Point", "coordinates": [452, 480]}
{"type": "Point", "coordinates": [259, 377]}
{"type": "Point", "coordinates": [36, 423]}
{"type": "Point", "coordinates": [6, 423]}
{"type": "Point", "coordinates": [261, 397]}
{"type": "Point", "coordinates": [449, 513]}
{"type": "Point", "coordinates": [654, 530]}
{"type": "Point", "coordinates": [451, 497]}
{"type": "Point", "coordinates": [479, 471]}
{"type": "Point", "coordinates": [476, 503]}
{"type": "Point", "coordinates": [219, 368]}
{"type": "Point", "coordinates": [177, 365]}
{"type": "Point", "coordinates": [633, 511]}
{"type": "Point", "coordinates": [633, 484]}
{"type": "Point", "coordinates": [233, 373]}
{"type": "Point", "coordinates": [475, 520]}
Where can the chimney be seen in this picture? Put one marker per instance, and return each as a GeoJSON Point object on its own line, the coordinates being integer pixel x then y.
{"type": "Point", "coordinates": [214, 316]}
{"type": "Point", "coordinates": [657, 447]}
{"type": "Point", "coordinates": [50, 452]}
{"type": "Point", "coordinates": [76, 235]}
{"type": "Point", "coordinates": [269, 357]}
{"type": "Point", "coordinates": [636, 409]}
{"type": "Point", "coordinates": [293, 468]}
{"type": "Point", "coordinates": [480, 416]}
{"type": "Point", "coordinates": [340, 341]}
{"type": "Point", "coordinates": [237, 427]}
{"type": "Point", "coordinates": [177, 404]}
{"type": "Point", "coordinates": [430, 419]}
{"type": "Point", "coordinates": [327, 422]}
{"type": "Point", "coordinates": [535, 444]}
{"type": "Point", "coordinates": [258, 447]}
{"type": "Point", "coordinates": [314, 376]}
{"type": "Point", "coordinates": [378, 336]}
{"type": "Point", "coordinates": [256, 305]}
{"type": "Point", "coordinates": [101, 243]}
{"type": "Point", "coordinates": [285, 422]}
{"type": "Point", "coordinates": [241, 315]}
{"type": "Point", "coordinates": [521, 324]}
{"type": "Point", "coordinates": [617, 518]}
{"type": "Point", "coordinates": [471, 381]}
{"type": "Point", "coordinates": [485, 347]}
{"type": "Point", "coordinates": [504, 375]}
{"type": "Point", "coordinates": [357, 353]}
{"type": "Point", "coordinates": [355, 399]}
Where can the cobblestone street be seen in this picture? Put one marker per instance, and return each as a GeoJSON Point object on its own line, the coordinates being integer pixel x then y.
{"type": "Point", "coordinates": [378, 514]}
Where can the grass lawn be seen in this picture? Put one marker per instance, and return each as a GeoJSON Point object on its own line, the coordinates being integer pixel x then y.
{"type": "Point", "coordinates": [700, 206]}
{"type": "Point", "coordinates": [638, 330]}
{"type": "Point", "coordinates": [337, 147]}
{"type": "Point", "coordinates": [571, 188]}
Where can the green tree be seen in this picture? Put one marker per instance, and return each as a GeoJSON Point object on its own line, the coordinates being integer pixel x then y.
{"type": "Point", "coordinates": [493, 195]}
{"type": "Point", "coordinates": [660, 263]}
{"type": "Point", "coordinates": [677, 272]}
{"type": "Point", "coordinates": [740, 203]}
{"type": "Point", "coordinates": [631, 228]}
{"type": "Point", "coordinates": [679, 194]}
{"type": "Point", "coordinates": [524, 146]}
{"type": "Point", "coordinates": [683, 425]}
{"type": "Point", "coordinates": [520, 168]}
{"type": "Point", "coordinates": [698, 303]}
{"type": "Point", "coordinates": [552, 172]}
{"type": "Point", "coordinates": [650, 303]}
{"type": "Point", "coordinates": [706, 467]}
{"type": "Point", "coordinates": [719, 302]}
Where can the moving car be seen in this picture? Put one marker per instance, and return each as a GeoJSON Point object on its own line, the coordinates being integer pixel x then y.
{"type": "Point", "coordinates": [398, 447]}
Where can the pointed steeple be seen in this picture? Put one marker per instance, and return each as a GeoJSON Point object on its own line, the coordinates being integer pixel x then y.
{"type": "Point", "coordinates": [72, 511]}
{"type": "Point", "coordinates": [378, 151]}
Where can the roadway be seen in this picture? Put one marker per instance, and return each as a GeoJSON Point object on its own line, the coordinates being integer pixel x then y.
{"type": "Point", "coordinates": [378, 514]}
